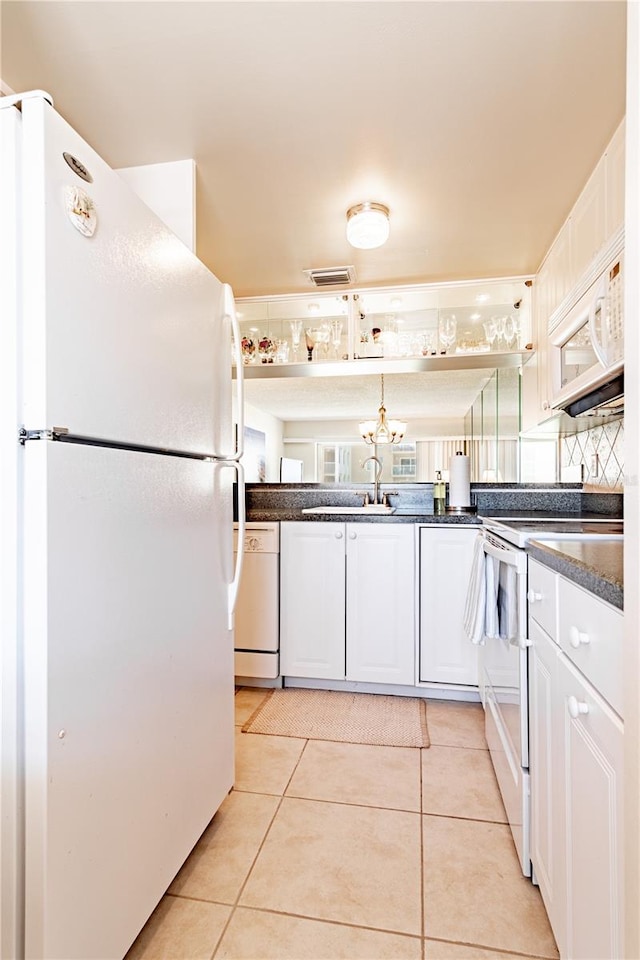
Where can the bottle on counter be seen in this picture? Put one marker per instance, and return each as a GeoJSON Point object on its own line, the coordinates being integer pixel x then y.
{"type": "Point", "coordinates": [439, 494]}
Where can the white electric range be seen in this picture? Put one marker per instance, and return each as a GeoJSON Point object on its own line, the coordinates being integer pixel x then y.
{"type": "Point", "coordinates": [504, 652]}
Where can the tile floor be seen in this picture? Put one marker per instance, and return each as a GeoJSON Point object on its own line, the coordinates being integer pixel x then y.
{"type": "Point", "coordinates": [332, 850]}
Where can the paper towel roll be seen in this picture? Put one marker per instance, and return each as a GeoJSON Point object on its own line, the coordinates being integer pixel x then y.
{"type": "Point", "coordinates": [459, 484]}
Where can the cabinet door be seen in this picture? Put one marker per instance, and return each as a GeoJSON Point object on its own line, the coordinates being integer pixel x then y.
{"type": "Point", "coordinates": [588, 223]}
{"type": "Point", "coordinates": [593, 758]}
{"type": "Point", "coordinates": [545, 761]}
{"type": "Point", "coordinates": [614, 164]}
{"type": "Point", "coordinates": [312, 600]}
{"type": "Point", "coordinates": [446, 655]}
{"type": "Point", "coordinates": [381, 603]}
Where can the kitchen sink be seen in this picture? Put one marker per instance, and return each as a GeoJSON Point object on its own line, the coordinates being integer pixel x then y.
{"type": "Point", "coordinates": [371, 508]}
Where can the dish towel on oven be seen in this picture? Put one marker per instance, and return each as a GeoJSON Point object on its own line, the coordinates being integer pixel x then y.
{"type": "Point", "coordinates": [491, 614]}
{"type": "Point", "coordinates": [473, 621]}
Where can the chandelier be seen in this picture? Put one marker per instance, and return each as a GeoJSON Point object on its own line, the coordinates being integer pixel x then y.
{"type": "Point", "coordinates": [382, 430]}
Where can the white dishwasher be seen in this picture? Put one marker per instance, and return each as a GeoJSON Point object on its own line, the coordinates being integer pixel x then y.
{"type": "Point", "coordinates": [257, 619]}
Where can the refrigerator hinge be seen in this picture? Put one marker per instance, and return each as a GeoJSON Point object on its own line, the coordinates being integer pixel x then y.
{"type": "Point", "coordinates": [53, 434]}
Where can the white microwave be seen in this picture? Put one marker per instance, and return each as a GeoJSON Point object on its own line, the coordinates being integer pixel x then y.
{"type": "Point", "coordinates": [586, 348]}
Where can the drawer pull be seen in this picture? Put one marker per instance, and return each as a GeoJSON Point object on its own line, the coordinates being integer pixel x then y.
{"type": "Point", "coordinates": [577, 638]}
{"type": "Point", "coordinates": [338, 535]}
{"type": "Point", "coordinates": [576, 707]}
{"type": "Point", "coordinates": [533, 596]}
{"type": "Point", "coordinates": [352, 536]}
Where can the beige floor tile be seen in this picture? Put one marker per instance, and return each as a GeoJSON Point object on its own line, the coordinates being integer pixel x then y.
{"type": "Point", "coordinates": [247, 700]}
{"type": "Point", "coordinates": [474, 890]}
{"type": "Point", "coordinates": [337, 862]}
{"type": "Point", "coordinates": [454, 724]}
{"type": "Point", "coordinates": [351, 773]}
{"type": "Point", "coordinates": [179, 929]}
{"type": "Point", "coordinates": [439, 950]}
{"type": "Point", "coordinates": [460, 782]}
{"type": "Point", "coordinates": [264, 764]}
{"type": "Point", "coordinates": [271, 936]}
{"type": "Point", "coordinates": [222, 858]}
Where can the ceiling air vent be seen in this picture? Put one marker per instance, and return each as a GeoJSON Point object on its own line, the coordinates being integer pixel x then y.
{"type": "Point", "coordinates": [331, 276]}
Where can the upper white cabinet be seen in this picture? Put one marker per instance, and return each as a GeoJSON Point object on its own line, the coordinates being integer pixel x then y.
{"type": "Point", "coordinates": [446, 556]}
{"type": "Point", "coordinates": [347, 595]}
{"type": "Point", "coordinates": [595, 220]}
{"type": "Point", "coordinates": [614, 182]}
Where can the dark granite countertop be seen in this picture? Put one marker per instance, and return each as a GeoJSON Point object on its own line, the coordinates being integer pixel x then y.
{"type": "Point", "coordinates": [596, 565]}
{"type": "Point", "coordinates": [400, 515]}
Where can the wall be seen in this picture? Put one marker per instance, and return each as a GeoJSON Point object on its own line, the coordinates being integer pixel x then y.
{"type": "Point", "coordinates": [600, 451]}
{"type": "Point", "coordinates": [272, 429]}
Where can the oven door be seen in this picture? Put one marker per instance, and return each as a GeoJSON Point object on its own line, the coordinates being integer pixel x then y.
{"type": "Point", "coordinates": [504, 667]}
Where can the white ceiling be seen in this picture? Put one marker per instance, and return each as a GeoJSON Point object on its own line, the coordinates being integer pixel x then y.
{"type": "Point", "coordinates": [477, 123]}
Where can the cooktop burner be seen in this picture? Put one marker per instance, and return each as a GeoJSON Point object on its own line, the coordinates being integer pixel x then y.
{"type": "Point", "coordinates": [520, 531]}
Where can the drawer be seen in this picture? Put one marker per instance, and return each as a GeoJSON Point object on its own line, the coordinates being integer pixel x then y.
{"type": "Point", "coordinates": [543, 597]}
{"type": "Point", "coordinates": [591, 635]}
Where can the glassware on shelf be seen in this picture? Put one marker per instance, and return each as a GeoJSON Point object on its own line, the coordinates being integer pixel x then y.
{"type": "Point", "coordinates": [266, 349]}
{"type": "Point", "coordinates": [510, 331]}
{"type": "Point", "coordinates": [282, 351]}
{"type": "Point", "coordinates": [323, 336]}
{"type": "Point", "coordinates": [310, 336]}
{"type": "Point", "coordinates": [296, 333]}
{"type": "Point", "coordinates": [428, 343]}
{"type": "Point", "coordinates": [336, 335]}
{"type": "Point", "coordinates": [491, 330]}
{"type": "Point", "coordinates": [248, 349]}
{"type": "Point", "coordinates": [448, 328]}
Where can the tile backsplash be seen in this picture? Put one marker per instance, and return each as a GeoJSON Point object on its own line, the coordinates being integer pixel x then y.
{"type": "Point", "coordinates": [601, 453]}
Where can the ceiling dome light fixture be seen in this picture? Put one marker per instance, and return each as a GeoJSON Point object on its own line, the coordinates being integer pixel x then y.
{"type": "Point", "coordinates": [367, 225]}
{"type": "Point", "coordinates": [382, 430]}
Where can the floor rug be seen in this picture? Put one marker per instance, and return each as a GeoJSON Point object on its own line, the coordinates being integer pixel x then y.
{"type": "Point", "coordinates": [344, 717]}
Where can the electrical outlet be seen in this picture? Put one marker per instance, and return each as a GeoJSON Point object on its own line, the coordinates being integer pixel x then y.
{"type": "Point", "coordinates": [595, 465]}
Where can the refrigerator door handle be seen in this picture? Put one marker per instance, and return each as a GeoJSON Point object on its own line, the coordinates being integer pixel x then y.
{"type": "Point", "coordinates": [234, 586]}
{"type": "Point", "coordinates": [229, 311]}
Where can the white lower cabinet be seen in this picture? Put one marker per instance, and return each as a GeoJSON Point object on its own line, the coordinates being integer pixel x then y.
{"type": "Point", "coordinates": [446, 556]}
{"type": "Point", "coordinates": [347, 598]}
{"type": "Point", "coordinates": [576, 763]}
{"type": "Point", "coordinates": [592, 746]}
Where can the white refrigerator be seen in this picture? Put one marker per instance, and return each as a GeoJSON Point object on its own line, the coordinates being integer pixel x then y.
{"type": "Point", "coordinates": [119, 458]}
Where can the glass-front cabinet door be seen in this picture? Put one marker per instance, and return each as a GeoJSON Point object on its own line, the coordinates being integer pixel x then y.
{"type": "Point", "coordinates": [426, 322]}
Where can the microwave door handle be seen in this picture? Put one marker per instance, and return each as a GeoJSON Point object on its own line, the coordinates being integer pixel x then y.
{"type": "Point", "coordinates": [598, 346]}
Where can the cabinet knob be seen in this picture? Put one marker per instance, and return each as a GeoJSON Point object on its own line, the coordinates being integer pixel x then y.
{"type": "Point", "coordinates": [577, 638]}
{"type": "Point", "coordinates": [352, 535]}
{"type": "Point", "coordinates": [338, 535]}
{"type": "Point", "coordinates": [533, 596]}
{"type": "Point", "coordinates": [576, 707]}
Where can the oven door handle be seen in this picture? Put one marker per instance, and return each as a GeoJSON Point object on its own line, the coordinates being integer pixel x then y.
{"type": "Point", "coordinates": [521, 642]}
{"type": "Point", "coordinates": [514, 558]}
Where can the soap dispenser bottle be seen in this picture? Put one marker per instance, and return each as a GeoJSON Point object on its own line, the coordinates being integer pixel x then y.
{"type": "Point", "coordinates": [439, 495]}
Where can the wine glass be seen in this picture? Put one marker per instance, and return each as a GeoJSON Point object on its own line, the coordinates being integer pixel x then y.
{"type": "Point", "coordinates": [491, 330]}
{"type": "Point", "coordinates": [311, 338]}
{"type": "Point", "coordinates": [448, 329]}
{"type": "Point", "coordinates": [323, 336]}
{"type": "Point", "coordinates": [510, 331]}
{"type": "Point", "coordinates": [296, 332]}
{"type": "Point", "coordinates": [336, 335]}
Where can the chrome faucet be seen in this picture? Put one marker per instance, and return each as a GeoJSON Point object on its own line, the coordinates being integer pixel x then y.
{"type": "Point", "coordinates": [378, 474]}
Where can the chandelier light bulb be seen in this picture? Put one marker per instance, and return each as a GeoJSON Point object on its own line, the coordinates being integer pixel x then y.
{"type": "Point", "coordinates": [367, 225]}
